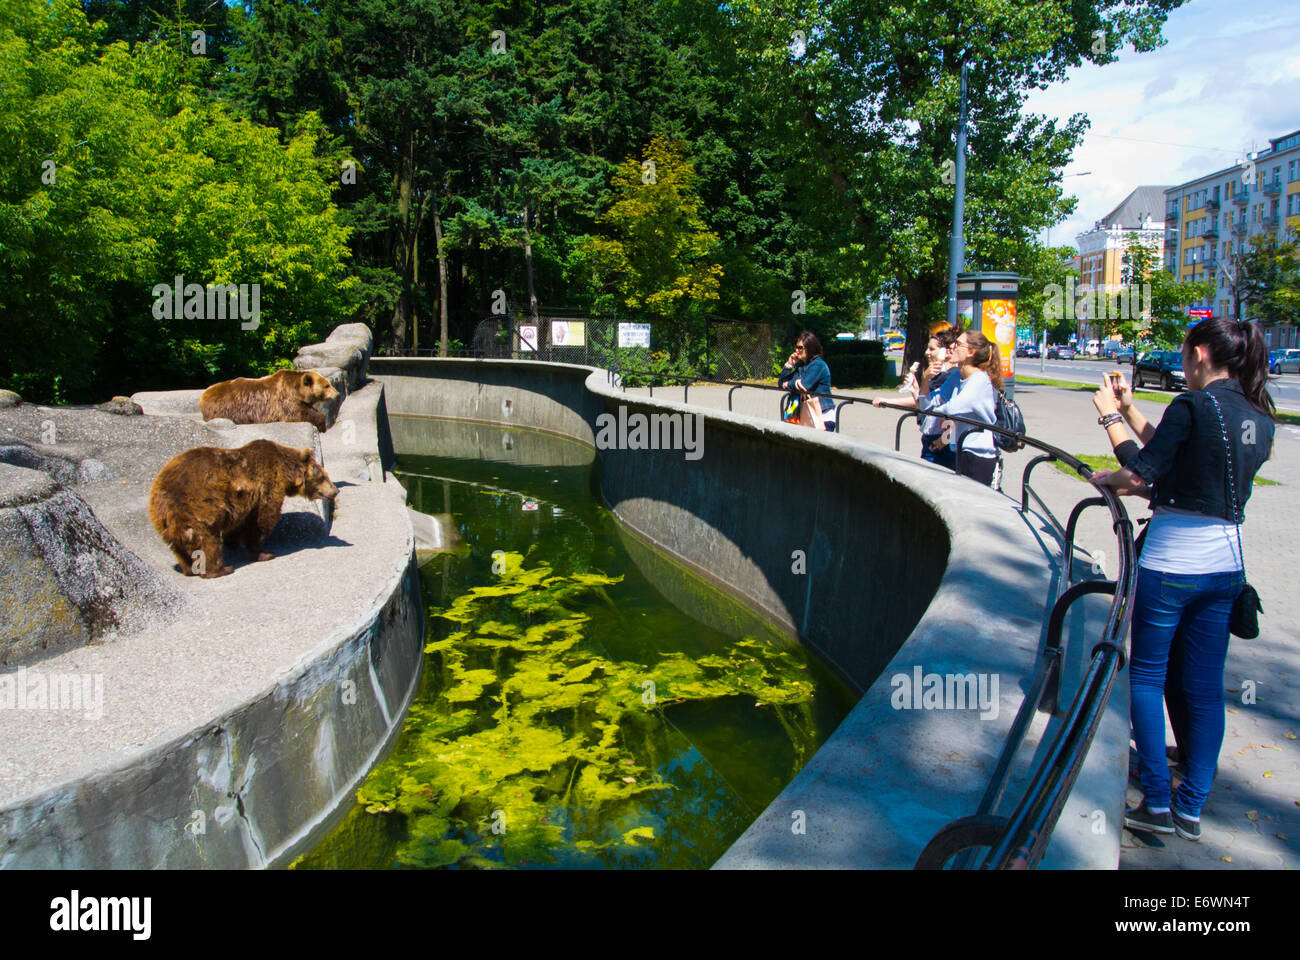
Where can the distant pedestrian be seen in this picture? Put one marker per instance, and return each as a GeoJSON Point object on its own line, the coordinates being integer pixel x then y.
{"type": "Point", "coordinates": [808, 376]}
{"type": "Point", "coordinates": [1198, 467]}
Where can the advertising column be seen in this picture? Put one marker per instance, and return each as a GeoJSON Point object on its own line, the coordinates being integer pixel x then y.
{"type": "Point", "coordinates": [986, 301]}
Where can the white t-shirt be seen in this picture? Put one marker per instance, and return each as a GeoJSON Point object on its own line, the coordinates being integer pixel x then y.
{"type": "Point", "coordinates": [1182, 541]}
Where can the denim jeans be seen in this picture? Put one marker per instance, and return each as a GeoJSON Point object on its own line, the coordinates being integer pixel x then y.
{"type": "Point", "coordinates": [1191, 609]}
{"type": "Point", "coordinates": [945, 456]}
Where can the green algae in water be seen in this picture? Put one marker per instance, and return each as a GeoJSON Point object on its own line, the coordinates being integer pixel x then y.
{"type": "Point", "coordinates": [568, 716]}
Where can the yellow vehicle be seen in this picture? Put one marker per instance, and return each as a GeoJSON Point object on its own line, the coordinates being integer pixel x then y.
{"type": "Point", "coordinates": [895, 340]}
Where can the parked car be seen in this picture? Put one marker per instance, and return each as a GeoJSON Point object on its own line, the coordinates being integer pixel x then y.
{"type": "Point", "coordinates": [1061, 351]}
{"type": "Point", "coordinates": [1163, 367]}
{"type": "Point", "coordinates": [1123, 354]}
{"type": "Point", "coordinates": [1092, 349]}
{"type": "Point", "coordinates": [1284, 361]}
{"type": "Point", "coordinates": [1033, 351]}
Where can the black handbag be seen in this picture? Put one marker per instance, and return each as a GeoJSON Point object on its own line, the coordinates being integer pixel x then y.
{"type": "Point", "coordinates": [1244, 621]}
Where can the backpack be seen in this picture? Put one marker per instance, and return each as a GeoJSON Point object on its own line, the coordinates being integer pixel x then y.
{"type": "Point", "coordinates": [1010, 418]}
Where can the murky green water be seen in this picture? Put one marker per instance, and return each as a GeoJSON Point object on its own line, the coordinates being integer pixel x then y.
{"type": "Point", "coordinates": [568, 714]}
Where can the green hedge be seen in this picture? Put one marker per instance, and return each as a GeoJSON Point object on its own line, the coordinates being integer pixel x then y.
{"type": "Point", "coordinates": [853, 348]}
{"type": "Point", "coordinates": [858, 371]}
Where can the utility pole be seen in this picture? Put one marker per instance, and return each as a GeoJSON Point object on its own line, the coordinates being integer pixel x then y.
{"type": "Point", "coordinates": [957, 241]}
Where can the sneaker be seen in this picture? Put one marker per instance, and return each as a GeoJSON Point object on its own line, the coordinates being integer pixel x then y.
{"type": "Point", "coordinates": [1144, 821]}
{"type": "Point", "coordinates": [1185, 828]}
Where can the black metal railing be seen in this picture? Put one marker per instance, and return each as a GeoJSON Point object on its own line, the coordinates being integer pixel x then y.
{"type": "Point", "coordinates": [1019, 839]}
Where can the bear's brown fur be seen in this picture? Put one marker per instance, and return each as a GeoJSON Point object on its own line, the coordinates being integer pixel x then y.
{"type": "Point", "coordinates": [206, 494]}
{"type": "Point", "coordinates": [285, 396]}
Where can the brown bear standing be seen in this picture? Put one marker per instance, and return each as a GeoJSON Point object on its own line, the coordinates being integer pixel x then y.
{"type": "Point", "coordinates": [208, 493]}
{"type": "Point", "coordinates": [286, 396]}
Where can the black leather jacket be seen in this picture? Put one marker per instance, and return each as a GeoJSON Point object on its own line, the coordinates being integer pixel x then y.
{"type": "Point", "coordinates": [1187, 460]}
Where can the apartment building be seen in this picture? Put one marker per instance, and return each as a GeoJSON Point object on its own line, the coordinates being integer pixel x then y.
{"type": "Point", "coordinates": [1100, 262]}
{"type": "Point", "coordinates": [1209, 218]}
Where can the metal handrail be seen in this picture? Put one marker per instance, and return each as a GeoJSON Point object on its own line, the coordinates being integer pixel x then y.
{"type": "Point", "coordinates": [1019, 840]}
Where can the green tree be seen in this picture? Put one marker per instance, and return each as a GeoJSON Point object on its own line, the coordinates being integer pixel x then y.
{"type": "Point", "coordinates": [1265, 279]}
{"type": "Point", "coordinates": [877, 94]}
{"type": "Point", "coordinates": [122, 175]}
{"type": "Point", "coordinates": [657, 255]}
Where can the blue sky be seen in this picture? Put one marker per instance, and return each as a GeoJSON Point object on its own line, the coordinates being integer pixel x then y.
{"type": "Point", "coordinates": [1227, 80]}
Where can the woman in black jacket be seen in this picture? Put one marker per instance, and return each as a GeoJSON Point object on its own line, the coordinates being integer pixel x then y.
{"type": "Point", "coordinates": [1197, 467]}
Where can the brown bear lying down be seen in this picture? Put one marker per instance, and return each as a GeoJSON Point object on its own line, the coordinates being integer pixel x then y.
{"type": "Point", "coordinates": [208, 493]}
{"type": "Point", "coordinates": [286, 396]}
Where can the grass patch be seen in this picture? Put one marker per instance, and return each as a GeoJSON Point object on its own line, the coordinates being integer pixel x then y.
{"type": "Point", "coordinates": [1280, 416]}
{"type": "Point", "coordinates": [1091, 388]}
{"type": "Point", "coordinates": [1110, 463]}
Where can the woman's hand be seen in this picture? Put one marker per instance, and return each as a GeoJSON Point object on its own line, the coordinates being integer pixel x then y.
{"type": "Point", "coordinates": [798, 385]}
{"type": "Point", "coordinates": [1124, 482]}
{"type": "Point", "coordinates": [1104, 399]}
{"type": "Point", "coordinates": [792, 359]}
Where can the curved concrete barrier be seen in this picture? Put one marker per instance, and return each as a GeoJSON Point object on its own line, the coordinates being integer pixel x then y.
{"type": "Point", "coordinates": [229, 737]}
{"type": "Point", "coordinates": [897, 572]}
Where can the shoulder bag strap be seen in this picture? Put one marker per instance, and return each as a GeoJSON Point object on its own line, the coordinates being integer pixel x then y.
{"type": "Point", "coordinates": [1232, 482]}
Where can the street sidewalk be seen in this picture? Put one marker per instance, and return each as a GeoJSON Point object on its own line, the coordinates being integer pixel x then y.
{"type": "Point", "coordinates": [1252, 819]}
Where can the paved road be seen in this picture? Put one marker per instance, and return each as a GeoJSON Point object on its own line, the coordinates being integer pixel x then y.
{"type": "Point", "coordinates": [1252, 819]}
{"type": "Point", "coordinates": [1285, 389]}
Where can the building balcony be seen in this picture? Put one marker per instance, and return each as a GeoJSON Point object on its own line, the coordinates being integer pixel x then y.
{"type": "Point", "coordinates": [1171, 213]}
{"type": "Point", "coordinates": [1270, 222]}
{"type": "Point", "coordinates": [1241, 197]}
{"type": "Point", "coordinates": [1212, 205]}
{"type": "Point", "coordinates": [1211, 265]}
{"type": "Point", "coordinates": [1273, 188]}
{"type": "Point", "coordinates": [1240, 229]}
{"type": "Point", "coordinates": [1211, 229]}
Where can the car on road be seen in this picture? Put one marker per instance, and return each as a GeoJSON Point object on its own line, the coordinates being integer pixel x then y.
{"type": "Point", "coordinates": [1122, 354]}
{"type": "Point", "coordinates": [1062, 351]}
{"type": "Point", "coordinates": [1163, 367]}
{"type": "Point", "coordinates": [1284, 361]}
{"type": "Point", "coordinates": [1033, 351]}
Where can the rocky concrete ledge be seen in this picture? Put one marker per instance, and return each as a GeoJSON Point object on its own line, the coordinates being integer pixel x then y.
{"type": "Point", "coordinates": [884, 564]}
{"type": "Point", "coordinates": [227, 737]}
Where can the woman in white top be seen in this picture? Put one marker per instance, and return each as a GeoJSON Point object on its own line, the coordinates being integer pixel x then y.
{"type": "Point", "coordinates": [980, 367]}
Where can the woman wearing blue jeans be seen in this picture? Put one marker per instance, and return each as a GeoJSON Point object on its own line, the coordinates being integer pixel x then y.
{"type": "Point", "coordinates": [1198, 467]}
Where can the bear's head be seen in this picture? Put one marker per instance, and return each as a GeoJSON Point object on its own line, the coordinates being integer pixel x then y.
{"type": "Point", "coordinates": [309, 480]}
{"type": "Point", "coordinates": [313, 388]}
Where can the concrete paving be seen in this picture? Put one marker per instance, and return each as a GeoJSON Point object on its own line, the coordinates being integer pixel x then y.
{"type": "Point", "coordinates": [1252, 819]}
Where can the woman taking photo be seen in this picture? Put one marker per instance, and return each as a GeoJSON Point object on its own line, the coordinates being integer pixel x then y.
{"type": "Point", "coordinates": [1198, 467]}
{"type": "Point", "coordinates": [980, 368]}
{"type": "Point", "coordinates": [807, 374]}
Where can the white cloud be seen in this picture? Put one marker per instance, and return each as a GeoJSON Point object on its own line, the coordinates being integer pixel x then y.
{"type": "Point", "coordinates": [1227, 81]}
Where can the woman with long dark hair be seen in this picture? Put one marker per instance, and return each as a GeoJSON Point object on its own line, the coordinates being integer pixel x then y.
{"type": "Point", "coordinates": [980, 367]}
{"type": "Point", "coordinates": [1198, 467]}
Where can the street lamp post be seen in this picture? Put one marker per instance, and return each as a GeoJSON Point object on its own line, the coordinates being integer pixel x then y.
{"type": "Point", "coordinates": [1042, 355]}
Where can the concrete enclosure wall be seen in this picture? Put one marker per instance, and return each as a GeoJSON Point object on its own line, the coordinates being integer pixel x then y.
{"type": "Point", "coordinates": [807, 536]}
{"type": "Point", "coordinates": [881, 563]}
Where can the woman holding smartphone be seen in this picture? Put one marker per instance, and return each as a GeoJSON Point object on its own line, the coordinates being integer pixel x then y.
{"type": "Point", "coordinates": [1197, 467]}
